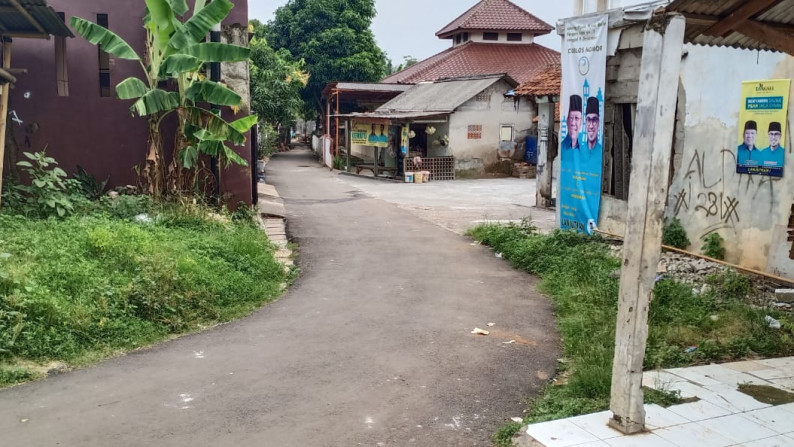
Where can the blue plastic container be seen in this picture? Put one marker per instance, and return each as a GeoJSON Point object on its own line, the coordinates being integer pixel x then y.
{"type": "Point", "coordinates": [531, 155]}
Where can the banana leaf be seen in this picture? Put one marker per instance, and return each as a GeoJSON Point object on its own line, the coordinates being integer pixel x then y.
{"type": "Point", "coordinates": [198, 6]}
{"type": "Point", "coordinates": [176, 64]}
{"type": "Point", "coordinates": [103, 37]}
{"type": "Point", "coordinates": [159, 12]}
{"type": "Point", "coordinates": [197, 27]}
{"type": "Point", "coordinates": [211, 148]}
{"type": "Point", "coordinates": [131, 88]}
{"type": "Point", "coordinates": [244, 124]}
{"type": "Point", "coordinates": [213, 93]}
{"type": "Point", "coordinates": [215, 125]}
{"type": "Point", "coordinates": [217, 52]}
{"type": "Point", "coordinates": [178, 6]}
{"type": "Point", "coordinates": [189, 157]}
{"type": "Point", "coordinates": [155, 101]}
{"type": "Point", "coordinates": [233, 157]}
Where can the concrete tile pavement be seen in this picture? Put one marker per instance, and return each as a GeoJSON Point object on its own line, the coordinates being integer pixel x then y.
{"type": "Point", "coordinates": [721, 416]}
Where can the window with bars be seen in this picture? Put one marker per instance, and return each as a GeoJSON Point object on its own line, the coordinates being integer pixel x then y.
{"type": "Point", "coordinates": [484, 96]}
{"type": "Point", "coordinates": [475, 132]}
{"type": "Point", "coordinates": [104, 62]}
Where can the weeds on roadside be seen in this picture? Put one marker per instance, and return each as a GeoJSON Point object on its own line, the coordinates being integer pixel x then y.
{"type": "Point", "coordinates": [78, 289]}
{"type": "Point", "coordinates": [576, 273]}
{"type": "Point", "coordinates": [674, 234]}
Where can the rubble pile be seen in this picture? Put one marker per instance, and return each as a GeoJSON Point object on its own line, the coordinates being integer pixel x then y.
{"type": "Point", "coordinates": [696, 271]}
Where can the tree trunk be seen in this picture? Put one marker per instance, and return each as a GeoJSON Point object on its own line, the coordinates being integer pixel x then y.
{"type": "Point", "coordinates": [152, 176]}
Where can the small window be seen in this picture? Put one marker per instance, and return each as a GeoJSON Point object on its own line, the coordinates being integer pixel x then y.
{"type": "Point", "coordinates": [465, 37]}
{"type": "Point", "coordinates": [475, 132]}
{"type": "Point", "coordinates": [104, 62]}
{"type": "Point", "coordinates": [514, 37]}
{"type": "Point", "coordinates": [506, 132]}
{"type": "Point", "coordinates": [458, 38]}
{"type": "Point", "coordinates": [490, 36]}
{"type": "Point", "coordinates": [61, 73]}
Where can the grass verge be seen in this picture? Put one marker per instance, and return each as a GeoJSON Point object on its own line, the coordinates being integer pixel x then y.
{"type": "Point", "coordinates": [77, 290]}
{"type": "Point", "coordinates": [576, 273]}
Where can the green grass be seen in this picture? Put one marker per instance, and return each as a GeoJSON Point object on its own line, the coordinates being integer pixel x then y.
{"type": "Point", "coordinates": [84, 288]}
{"type": "Point", "coordinates": [576, 273]}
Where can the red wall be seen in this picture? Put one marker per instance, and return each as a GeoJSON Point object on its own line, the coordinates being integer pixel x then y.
{"type": "Point", "coordinates": [100, 134]}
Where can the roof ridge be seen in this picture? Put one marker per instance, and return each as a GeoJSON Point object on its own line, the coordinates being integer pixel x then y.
{"type": "Point", "coordinates": [481, 11]}
{"type": "Point", "coordinates": [426, 64]}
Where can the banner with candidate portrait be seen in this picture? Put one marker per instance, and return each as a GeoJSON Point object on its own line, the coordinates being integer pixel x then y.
{"type": "Point", "coordinates": [762, 127]}
{"type": "Point", "coordinates": [367, 134]}
{"type": "Point", "coordinates": [584, 61]}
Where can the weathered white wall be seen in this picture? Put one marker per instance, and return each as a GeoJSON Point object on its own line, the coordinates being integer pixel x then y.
{"type": "Point", "coordinates": [706, 194]}
{"type": "Point", "coordinates": [479, 154]}
{"type": "Point", "coordinates": [750, 212]}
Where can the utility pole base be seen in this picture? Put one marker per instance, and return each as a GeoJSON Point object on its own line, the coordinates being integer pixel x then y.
{"type": "Point", "coordinates": [626, 425]}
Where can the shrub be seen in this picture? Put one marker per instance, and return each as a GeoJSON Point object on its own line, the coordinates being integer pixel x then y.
{"type": "Point", "coordinates": [88, 185]}
{"type": "Point", "coordinates": [713, 246]}
{"type": "Point", "coordinates": [674, 234]}
{"type": "Point", "coordinates": [268, 141]}
{"type": "Point", "coordinates": [48, 193]}
{"type": "Point", "coordinates": [729, 284]}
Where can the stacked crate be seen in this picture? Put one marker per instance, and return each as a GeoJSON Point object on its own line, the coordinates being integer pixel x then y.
{"type": "Point", "coordinates": [440, 168]}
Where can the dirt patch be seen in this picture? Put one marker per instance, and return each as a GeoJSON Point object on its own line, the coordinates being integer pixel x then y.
{"type": "Point", "coordinates": [767, 394]}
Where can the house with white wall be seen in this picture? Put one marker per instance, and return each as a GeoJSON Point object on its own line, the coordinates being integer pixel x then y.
{"type": "Point", "coordinates": [470, 117]}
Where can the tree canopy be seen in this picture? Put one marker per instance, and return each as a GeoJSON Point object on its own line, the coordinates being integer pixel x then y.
{"type": "Point", "coordinates": [334, 39]}
{"type": "Point", "coordinates": [276, 81]}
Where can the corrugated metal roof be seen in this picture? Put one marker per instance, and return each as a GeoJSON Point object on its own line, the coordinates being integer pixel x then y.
{"type": "Point", "coordinates": [14, 22]}
{"type": "Point", "coordinates": [439, 97]}
{"type": "Point", "coordinates": [399, 115]}
{"type": "Point", "coordinates": [702, 14]}
{"type": "Point", "coordinates": [369, 87]}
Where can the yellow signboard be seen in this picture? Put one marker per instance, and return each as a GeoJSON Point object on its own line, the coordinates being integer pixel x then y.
{"type": "Point", "coordinates": [365, 134]}
{"type": "Point", "coordinates": [762, 127]}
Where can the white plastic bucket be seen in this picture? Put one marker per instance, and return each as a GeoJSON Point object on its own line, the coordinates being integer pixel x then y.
{"type": "Point", "coordinates": [409, 177]}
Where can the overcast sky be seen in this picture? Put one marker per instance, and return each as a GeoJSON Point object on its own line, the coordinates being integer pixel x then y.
{"type": "Point", "coordinates": [408, 27]}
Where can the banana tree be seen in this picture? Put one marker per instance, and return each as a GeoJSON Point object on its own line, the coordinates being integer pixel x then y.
{"type": "Point", "coordinates": [175, 51]}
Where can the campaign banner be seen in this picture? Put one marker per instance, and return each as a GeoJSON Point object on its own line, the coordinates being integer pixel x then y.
{"type": "Point", "coordinates": [584, 61]}
{"type": "Point", "coordinates": [366, 134]}
{"type": "Point", "coordinates": [762, 127]}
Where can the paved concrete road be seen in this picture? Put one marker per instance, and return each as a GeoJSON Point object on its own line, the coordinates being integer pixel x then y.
{"type": "Point", "coordinates": [371, 347]}
{"type": "Point", "coordinates": [462, 204]}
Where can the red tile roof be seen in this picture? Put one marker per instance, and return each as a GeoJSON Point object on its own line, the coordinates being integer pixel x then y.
{"type": "Point", "coordinates": [545, 82]}
{"type": "Point", "coordinates": [496, 15]}
{"type": "Point", "coordinates": [520, 62]}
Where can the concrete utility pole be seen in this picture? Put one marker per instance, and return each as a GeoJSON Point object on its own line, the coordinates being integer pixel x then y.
{"type": "Point", "coordinates": [653, 137]}
{"type": "Point", "coordinates": [545, 169]}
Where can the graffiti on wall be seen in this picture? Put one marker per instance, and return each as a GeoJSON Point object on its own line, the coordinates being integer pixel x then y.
{"type": "Point", "coordinates": [717, 195]}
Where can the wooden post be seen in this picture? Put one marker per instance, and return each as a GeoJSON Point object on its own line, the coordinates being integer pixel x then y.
{"type": "Point", "coordinates": [543, 193]}
{"type": "Point", "coordinates": [336, 142]}
{"type": "Point", "coordinates": [653, 137]}
{"type": "Point", "coordinates": [4, 110]}
{"type": "Point", "coordinates": [349, 145]}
